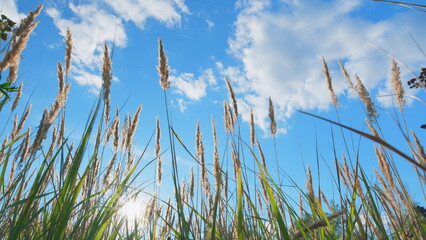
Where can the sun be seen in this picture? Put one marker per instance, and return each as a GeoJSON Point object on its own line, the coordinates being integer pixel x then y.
{"type": "Point", "coordinates": [133, 209]}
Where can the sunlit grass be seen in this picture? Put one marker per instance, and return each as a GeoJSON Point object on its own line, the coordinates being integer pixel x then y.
{"type": "Point", "coordinates": [52, 188]}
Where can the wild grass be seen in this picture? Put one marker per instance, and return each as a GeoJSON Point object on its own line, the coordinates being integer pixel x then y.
{"type": "Point", "coordinates": [51, 188]}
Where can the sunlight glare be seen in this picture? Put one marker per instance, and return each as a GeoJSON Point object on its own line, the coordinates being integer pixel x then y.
{"type": "Point", "coordinates": [133, 209]}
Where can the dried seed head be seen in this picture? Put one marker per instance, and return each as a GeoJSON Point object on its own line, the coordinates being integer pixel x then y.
{"type": "Point", "coordinates": [262, 157]}
{"type": "Point", "coordinates": [228, 118]}
{"type": "Point", "coordinates": [216, 161]}
{"type": "Point", "coordinates": [163, 68]}
{"type": "Point", "coordinates": [68, 52]}
{"type": "Point", "coordinates": [61, 130]}
{"type": "Point", "coordinates": [329, 84]}
{"type": "Point", "coordinates": [157, 138]}
{"type": "Point", "coordinates": [107, 176]}
{"type": "Point", "coordinates": [347, 77]}
{"type": "Point", "coordinates": [26, 143]}
{"type": "Point", "coordinates": [11, 57]}
{"type": "Point", "coordinates": [201, 159]}
{"type": "Point", "coordinates": [236, 160]}
{"type": "Point", "coordinates": [421, 152]}
{"type": "Point", "coordinates": [371, 127]}
{"type": "Point", "coordinates": [159, 170]}
{"type": "Point", "coordinates": [272, 118]}
{"type": "Point", "coordinates": [41, 132]}
{"type": "Point", "coordinates": [252, 130]}
{"type": "Point", "coordinates": [26, 22]}
{"type": "Point", "coordinates": [157, 151]}
{"type": "Point", "coordinates": [233, 99]}
{"type": "Point", "coordinates": [191, 183]}
{"type": "Point", "coordinates": [311, 194]}
{"type": "Point", "coordinates": [116, 133]}
{"type": "Point", "coordinates": [384, 165]}
{"type": "Point", "coordinates": [397, 85]}
{"type": "Point", "coordinates": [106, 82]}
{"type": "Point", "coordinates": [13, 72]}
{"type": "Point", "coordinates": [365, 98]}
{"type": "Point", "coordinates": [133, 124]}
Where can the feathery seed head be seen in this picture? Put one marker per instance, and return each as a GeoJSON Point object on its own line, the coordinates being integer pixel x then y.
{"type": "Point", "coordinates": [17, 97]}
{"type": "Point", "coordinates": [272, 118]}
{"type": "Point", "coordinates": [329, 83]}
{"type": "Point", "coordinates": [68, 52]}
{"type": "Point", "coordinates": [252, 130]}
{"type": "Point", "coordinates": [163, 68]}
{"type": "Point", "coordinates": [233, 99]}
{"type": "Point", "coordinates": [397, 85]}
{"type": "Point", "coordinates": [106, 82]}
{"type": "Point", "coordinates": [365, 98]}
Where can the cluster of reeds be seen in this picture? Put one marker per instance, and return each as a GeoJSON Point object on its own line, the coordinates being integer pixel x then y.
{"type": "Point", "coordinates": [51, 188]}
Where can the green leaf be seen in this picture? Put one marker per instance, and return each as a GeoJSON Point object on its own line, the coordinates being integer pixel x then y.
{"type": "Point", "coordinates": [3, 36]}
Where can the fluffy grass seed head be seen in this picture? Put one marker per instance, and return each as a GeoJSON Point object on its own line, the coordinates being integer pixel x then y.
{"type": "Point", "coordinates": [329, 83]}
{"type": "Point", "coordinates": [421, 152]}
{"type": "Point", "coordinates": [157, 150]}
{"type": "Point", "coordinates": [216, 160]}
{"type": "Point", "coordinates": [68, 52]}
{"type": "Point", "coordinates": [233, 99]}
{"type": "Point", "coordinates": [163, 68]}
{"type": "Point", "coordinates": [17, 97]}
{"type": "Point", "coordinates": [365, 98]}
{"type": "Point", "coordinates": [309, 187]}
{"type": "Point", "coordinates": [11, 58]}
{"type": "Point", "coordinates": [397, 85]}
{"type": "Point", "coordinates": [26, 22]}
{"type": "Point", "coordinates": [252, 130]}
{"type": "Point", "coordinates": [106, 82]}
{"type": "Point", "coordinates": [273, 125]}
{"type": "Point", "coordinates": [346, 75]}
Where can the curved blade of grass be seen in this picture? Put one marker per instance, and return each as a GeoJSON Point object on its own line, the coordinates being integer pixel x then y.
{"type": "Point", "coordinates": [373, 138]}
{"type": "Point", "coordinates": [240, 216]}
{"type": "Point", "coordinates": [274, 207]}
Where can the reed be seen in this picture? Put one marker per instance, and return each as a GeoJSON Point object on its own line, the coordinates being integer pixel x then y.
{"type": "Point", "coordinates": [52, 188]}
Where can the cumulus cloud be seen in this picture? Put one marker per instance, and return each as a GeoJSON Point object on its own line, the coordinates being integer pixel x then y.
{"type": "Point", "coordinates": [280, 45]}
{"type": "Point", "coordinates": [91, 28]}
{"type": "Point", "coordinates": [9, 8]}
{"type": "Point", "coordinates": [192, 88]}
{"type": "Point", "coordinates": [92, 25]}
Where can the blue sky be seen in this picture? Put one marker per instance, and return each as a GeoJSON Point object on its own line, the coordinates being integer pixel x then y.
{"type": "Point", "coordinates": [265, 48]}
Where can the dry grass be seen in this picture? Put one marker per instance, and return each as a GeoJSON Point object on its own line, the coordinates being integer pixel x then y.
{"type": "Point", "coordinates": [54, 189]}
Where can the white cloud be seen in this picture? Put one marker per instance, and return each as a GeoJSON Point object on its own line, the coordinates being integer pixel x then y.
{"type": "Point", "coordinates": [280, 45]}
{"type": "Point", "coordinates": [138, 11]}
{"type": "Point", "coordinates": [92, 28]}
{"type": "Point", "coordinates": [9, 8]}
{"type": "Point", "coordinates": [194, 89]}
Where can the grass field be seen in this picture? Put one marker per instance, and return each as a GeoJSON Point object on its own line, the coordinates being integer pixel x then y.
{"type": "Point", "coordinates": [51, 188]}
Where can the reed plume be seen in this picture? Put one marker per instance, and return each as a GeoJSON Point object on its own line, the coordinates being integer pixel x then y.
{"type": "Point", "coordinates": [163, 68]}
{"type": "Point", "coordinates": [216, 161]}
{"type": "Point", "coordinates": [365, 98]}
{"type": "Point", "coordinates": [68, 52]}
{"type": "Point", "coordinates": [157, 150]}
{"type": "Point", "coordinates": [346, 75]}
{"type": "Point", "coordinates": [329, 83]}
{"type": "Point", "coordinates": [273, 125]}
{"type": "Point", "coordinates": [232, 97]}
{"type": "Point", "coordinates": [252, 130]}
{"type": "Point", "coordinates": [106, 82]}
{"type": "Point", "coordinates": [397, 85]}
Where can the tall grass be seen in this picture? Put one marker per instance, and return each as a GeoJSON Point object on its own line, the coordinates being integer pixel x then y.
{"type": "Point", "coordinates": [51, 188]}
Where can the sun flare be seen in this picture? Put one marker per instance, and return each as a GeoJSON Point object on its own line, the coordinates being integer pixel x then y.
{"type": "Point", "coordinates": [133, 209]}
